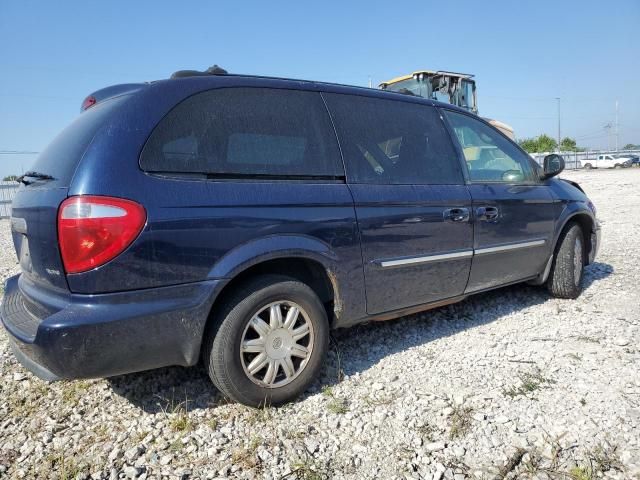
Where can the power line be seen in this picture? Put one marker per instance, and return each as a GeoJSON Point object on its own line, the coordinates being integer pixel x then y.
{"type": "Point", "coordinates": [17, 152]}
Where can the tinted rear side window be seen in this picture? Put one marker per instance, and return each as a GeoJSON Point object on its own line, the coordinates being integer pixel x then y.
{"type": "Point", "coordinates": [61, 157]}
{"type": "Point", "coordinates": [246, 131]}
{"type": "Point", "coordinates": [387, 141]}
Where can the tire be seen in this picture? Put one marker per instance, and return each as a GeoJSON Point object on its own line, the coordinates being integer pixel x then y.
{"type": "Point", "coordinates": [262, 298]}
{"type": "Point", "coordinates": [567, 270]}
{"type": "Point", "coordinates": [588, 166]}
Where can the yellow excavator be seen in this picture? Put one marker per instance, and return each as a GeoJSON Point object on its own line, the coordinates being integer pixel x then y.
{"type": "Point", "coordinates": [450, 87]}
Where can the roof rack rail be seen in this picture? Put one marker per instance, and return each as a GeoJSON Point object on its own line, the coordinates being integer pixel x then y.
{"type": "Point", "coordinates": [215, 70]}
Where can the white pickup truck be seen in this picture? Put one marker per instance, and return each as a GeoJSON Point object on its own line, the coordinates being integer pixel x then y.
{"type": "Point", "coordinates": [607, 161]}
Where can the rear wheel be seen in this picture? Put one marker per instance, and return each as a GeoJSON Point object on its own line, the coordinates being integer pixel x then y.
{"type": "Point", "coordinates": [565, 279]}
{"type": "Point", "coordinates": [588, 166]}
{"type": "Point", "coordinates": [271, 341]}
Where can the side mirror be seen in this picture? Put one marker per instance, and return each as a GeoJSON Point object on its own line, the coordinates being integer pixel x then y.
{"type": "Point", "coordinates": [553, 165]}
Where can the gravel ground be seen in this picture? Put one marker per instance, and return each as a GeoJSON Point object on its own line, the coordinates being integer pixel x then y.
{"type": "Point", "coordinates": [511, 383]}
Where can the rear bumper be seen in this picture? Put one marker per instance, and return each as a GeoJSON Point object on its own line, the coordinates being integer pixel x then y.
{"type": "Point", "coordinates": [88, 336]}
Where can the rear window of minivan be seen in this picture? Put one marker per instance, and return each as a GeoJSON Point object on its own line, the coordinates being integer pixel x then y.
{"type": "Point", "coordinates": [61, 157]}
{"type": "Point", "coordinates": [244, 132]}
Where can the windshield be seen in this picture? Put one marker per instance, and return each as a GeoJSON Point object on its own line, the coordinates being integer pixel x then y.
{"type": "Point", "coordinates": [411, 85]}
{"type": "Point", "coordinates": [440, 88]}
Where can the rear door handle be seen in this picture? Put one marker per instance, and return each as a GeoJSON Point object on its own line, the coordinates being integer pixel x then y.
{"type": "Point", "coordinates": [487, 213]}
{"type": "Point", "coordinates": [456, 215]}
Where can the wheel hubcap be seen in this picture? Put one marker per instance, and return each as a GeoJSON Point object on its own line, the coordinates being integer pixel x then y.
{"type": "Point", "coordinates": [276, 344]}
{"type": "Point", "coordinates": [577, 260]}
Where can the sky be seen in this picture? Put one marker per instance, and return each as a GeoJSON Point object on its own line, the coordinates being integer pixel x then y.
{"type": "Point", "coordinates": [524, 55]}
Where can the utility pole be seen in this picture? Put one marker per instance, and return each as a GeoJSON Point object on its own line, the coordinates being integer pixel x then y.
{"type": "Point", "coordinates": [558, 99]}
{"type": "Point", "coordinates": [617, 131]}
{"type": "Point", "coordinates": [607, 127]}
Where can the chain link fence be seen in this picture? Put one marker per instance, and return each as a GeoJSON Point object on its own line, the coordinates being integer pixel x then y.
{"type": "Point", "coordinates": [575, 160]}
{"type": "Point", "coordinates": [7, 192]}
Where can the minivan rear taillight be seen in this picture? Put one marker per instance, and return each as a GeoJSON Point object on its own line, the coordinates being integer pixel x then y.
{"type": "Point", "coordinates": [93, 230]}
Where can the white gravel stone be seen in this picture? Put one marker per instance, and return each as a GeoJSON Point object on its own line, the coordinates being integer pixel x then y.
{"type": "Point", "coordinates": [131, 472]}
{"type": "Point", "coordinates": [622, 341]}
{"type": "Point", "coordinates": [435, 446]}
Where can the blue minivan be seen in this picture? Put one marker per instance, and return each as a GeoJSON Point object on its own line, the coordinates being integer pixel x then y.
{"type": "Point", "coordinates": [238, 219]}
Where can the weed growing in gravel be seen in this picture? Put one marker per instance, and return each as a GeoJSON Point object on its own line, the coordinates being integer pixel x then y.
{"type": "Point", "coordinates": [327, 391]}
{"type": "Point", "coordinates": [457, 466]}
{"type": "Point", "coordinates": [387, 399]}
{"type": "Point", "coordinates": [581, 473]}
{"type": "Point", "coordinates": [21, 406]}
{"type": "Point", "coordinates": [532, 461]}
{"type": "Point", "coordinates": [583, 402]}
{"type": "Point", "coordinates": [529, 382]}
{"type": "Point", "coordinates": [57, 465]}
{"type": "Point", "coordinates": [213, 423]}
{"type": "Point", "coordinates": [73, 391]}
{"type": "Point", "coordinates": [604, 458]}
{"type": "Point", "coordinates": [181, 422]}
{"type": "Point", "coordinates": [245, 457]}
{"type": "Point", "coordinates": [597, 461]}
{"type": "Point", "coordinates": [178, 414]}
{"type": "Point", "coordinates": [584, 338]}
{"type": "Point", "coordinates": [101, 433]}
{"type": "Point", "coordinates": [307, 469]}
{"type": "Point", "coordinates": [336, 405]}
{"type": "Point", "coordinates": [139, 436]}
{"type": "Point", "coordinates": [460, 421]}
{"type": "Point", "coordinates": [574, 356]}
{"type": "Point", "coordinates": [426, 432]}
{"type": "Point", "coordinates": [295, 434]}
{"type": "Point", "coordinates": [259, 415]}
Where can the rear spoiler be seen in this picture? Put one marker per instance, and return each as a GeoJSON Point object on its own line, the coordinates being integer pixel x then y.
{"type": "Point", "coordinates": [110, 92]}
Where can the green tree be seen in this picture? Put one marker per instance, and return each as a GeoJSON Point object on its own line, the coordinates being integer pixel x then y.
{"type": "Point", "coordinates": [568, 145]}
{"type": "Point", "coordinates": [529, 144]}
{"type": "Point", "coordinates": [631, 146]}
{"type": "Point", "coordinates": [546, 143]}
{"type": "Point", "coordinates": [542, 143]}
{"type": "Point", "coordinates": [10, 178]}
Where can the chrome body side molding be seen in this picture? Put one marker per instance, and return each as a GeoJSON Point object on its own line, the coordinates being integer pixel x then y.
{"type": "Point", "coordinates": [398, 262]}
{"type": "Point", "coordinates": [510, 246]}
{"type": "Point", "coordinates": [404, 261]}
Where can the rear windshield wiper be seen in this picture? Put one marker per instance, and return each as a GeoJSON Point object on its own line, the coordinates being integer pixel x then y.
{"type": "Point", "coordinates": [36, 175]}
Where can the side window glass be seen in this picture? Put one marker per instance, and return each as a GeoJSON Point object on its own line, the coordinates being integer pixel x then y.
{"type": "Point", "coordinates": [393, 142]}
{"type": "Point", "coordinates": [489, 156]}
{"type": "Point", "coordinates": [246, 131]}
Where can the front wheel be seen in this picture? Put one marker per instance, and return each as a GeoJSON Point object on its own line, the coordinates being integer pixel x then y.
{"type": "Point", "coordinates": [271, 342]}
{"type": "Point", "coordinates": [567, 270]}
